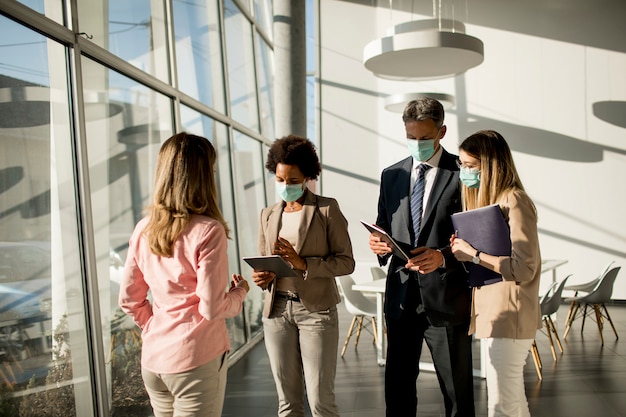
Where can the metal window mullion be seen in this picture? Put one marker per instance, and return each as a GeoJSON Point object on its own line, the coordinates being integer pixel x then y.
{"type": "Point", "coordinates": [93, 319]}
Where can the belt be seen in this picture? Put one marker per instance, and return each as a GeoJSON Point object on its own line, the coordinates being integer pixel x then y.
{"type": "Point", "coordinates": [287, 296]}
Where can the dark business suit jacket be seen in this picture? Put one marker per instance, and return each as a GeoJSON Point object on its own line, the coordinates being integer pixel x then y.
{"type": "Point", "coordinates": [323, 241]}
{"type": "Point", "coordinates": [444, 293]}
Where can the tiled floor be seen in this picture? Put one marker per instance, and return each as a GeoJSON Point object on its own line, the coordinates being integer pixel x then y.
{"type": "Point", "coordinates": [588, 379]}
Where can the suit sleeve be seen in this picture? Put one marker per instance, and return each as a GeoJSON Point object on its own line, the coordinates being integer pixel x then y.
{"type": "Point", "coordinates": [339, 260]}
{"type": "Point", "coordinates": [382, 219]}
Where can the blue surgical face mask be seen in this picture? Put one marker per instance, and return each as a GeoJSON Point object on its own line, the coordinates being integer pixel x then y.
{"type": "Point", "coordinates": [470, 177]}
{"type": "Point", "coordinates": [422, 149]}
{"type": "Point", "coordinates": [289, 192]}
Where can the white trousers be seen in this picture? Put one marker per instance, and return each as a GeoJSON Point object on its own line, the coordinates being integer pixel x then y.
{"type": "Point", "coordinates": [506, 396]}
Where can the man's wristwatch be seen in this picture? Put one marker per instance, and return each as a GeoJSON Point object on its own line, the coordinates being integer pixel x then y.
{"type": "Point", "coordinates": [476, 258]}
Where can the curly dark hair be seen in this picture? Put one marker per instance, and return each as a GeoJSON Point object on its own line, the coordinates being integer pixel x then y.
{"type": "Point", "coordinates": [294, 150]}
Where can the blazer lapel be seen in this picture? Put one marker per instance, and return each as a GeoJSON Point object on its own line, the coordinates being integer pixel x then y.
{"type": "Point", "coordinates": [402, 185]}
{"type": "Point", "coordinates": [443, 178]}
{"type": "Point", "coordinates": [273, 225]}
{"type": "Point", "coordinates": [308, 211]}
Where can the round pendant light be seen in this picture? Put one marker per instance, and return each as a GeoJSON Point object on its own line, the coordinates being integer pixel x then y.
{"type": "Point", "coordinates": [397, 102]}
{"type": "Point", "coordinates": [423, 49]}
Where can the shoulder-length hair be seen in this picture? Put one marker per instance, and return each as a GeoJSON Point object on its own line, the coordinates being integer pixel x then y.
{"type": "Point", "coordinates": [184, 184]}
{"type": "Point", "coordinates": [498, 175]}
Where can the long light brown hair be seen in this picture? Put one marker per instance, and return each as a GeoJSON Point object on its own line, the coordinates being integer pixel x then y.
{"type": "Point", "coordinates": [498, 175]}
{"type": "Point", "coordinates": [184, 185]}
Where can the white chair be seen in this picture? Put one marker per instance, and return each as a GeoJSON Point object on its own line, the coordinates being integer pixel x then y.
{"type": "Point", "coordinates": [360, 307]}
{"type": "Point", "coordinates": [584, 287]}
{"type": "Point", "coordinates": [549, 304]}
{"type": "Point", "coordinates": [597, 298]}
{"type": "Point", "coordinates": [378, 273]}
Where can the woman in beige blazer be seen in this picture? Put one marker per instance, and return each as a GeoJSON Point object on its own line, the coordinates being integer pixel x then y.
{"type": "Point", "coordinates": [506, 313]}
{"type": "Point", "coordinates": [300, 316]}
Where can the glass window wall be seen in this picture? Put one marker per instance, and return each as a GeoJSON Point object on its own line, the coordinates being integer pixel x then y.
{"type": "Point", "coordinates": [199, 52]}
{"type": "Point", "coordinates": [250, 191]}
{"type": "Point", "coordinates": [265, 69]}
{"type": "Point", "coordinates": [241, 70]}
{"type": "Point", "coordinates": [124, 134]}
{"type": "Point", "coordinates": [45, 367]}
{"type": "Point", "coordinates": [52, 362]}
{"type": "Point", "coordinates": [133, 30]}
{"type": "Point", "coordinates": [51, 9]}
{"type": "Point", "coordinates": [263, 13]}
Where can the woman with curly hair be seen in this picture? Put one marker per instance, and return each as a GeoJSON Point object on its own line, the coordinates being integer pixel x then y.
{"type": "Point", "coordinates": [300, 315]}
{"type": "Point", "coordinates": [178, 253]}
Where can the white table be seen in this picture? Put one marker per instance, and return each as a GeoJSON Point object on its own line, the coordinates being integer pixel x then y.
{"type": "Point", "coordinates": [551, 265]}
{"type": "Point", "coordinates": [378, 287]}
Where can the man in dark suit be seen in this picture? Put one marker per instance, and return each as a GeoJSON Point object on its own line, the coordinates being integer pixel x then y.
{"type": "Point", "coordinates": [427, 297]}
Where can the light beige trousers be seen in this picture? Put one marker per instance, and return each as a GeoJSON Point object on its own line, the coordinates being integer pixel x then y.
{"type": "Point", "coordinates": [195, 393]}
{"type": "Point", "coordinates": [302, 348]}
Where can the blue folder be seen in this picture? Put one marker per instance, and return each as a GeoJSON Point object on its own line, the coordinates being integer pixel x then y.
{"type": "Point", "coordinates": [487, 230]}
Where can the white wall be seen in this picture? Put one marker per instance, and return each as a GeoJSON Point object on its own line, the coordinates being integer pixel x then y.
{"type": "Point", "coordinates": [539, 93]}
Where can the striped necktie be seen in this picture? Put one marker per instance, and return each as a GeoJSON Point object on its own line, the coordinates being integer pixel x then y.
{"type": "Point", "coordinates": [417, 199]}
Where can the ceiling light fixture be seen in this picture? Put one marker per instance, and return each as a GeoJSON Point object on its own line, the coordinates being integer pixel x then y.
{"type": "Point", "coordinates": [397, 102]}
{"type": "Point", "coordinates": [423, 49]}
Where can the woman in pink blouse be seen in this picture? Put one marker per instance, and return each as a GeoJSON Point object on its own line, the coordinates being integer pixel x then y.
{"type": "Point", "coordinates": [178, 253]}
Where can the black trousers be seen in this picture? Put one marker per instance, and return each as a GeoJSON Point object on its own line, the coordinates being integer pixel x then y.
{"type": "Point", "coordinates": [451, 351]}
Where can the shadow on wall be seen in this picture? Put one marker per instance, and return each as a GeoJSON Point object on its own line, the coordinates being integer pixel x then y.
{"type": "Point", "coordinates": [541, 142]}
{"type": "Point", "coordinates": [613, 112]}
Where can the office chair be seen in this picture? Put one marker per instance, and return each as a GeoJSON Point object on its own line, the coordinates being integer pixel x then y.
{"type": "Point", "coordinates": [549, 305]}
{"type": "Point", "coordinates": [360, 307]}
{"type": "Point", "coordinates": [536, 359]}
{"type": "Point", "coordinates": [378, 273]}
{"type": "Point", "coordinates": [596, 299]}
{"type": "Point", "coordinates": [584, 287]}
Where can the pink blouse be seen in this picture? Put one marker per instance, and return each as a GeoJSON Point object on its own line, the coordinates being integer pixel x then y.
{"type": "Point", "coordinates": [183, 325]}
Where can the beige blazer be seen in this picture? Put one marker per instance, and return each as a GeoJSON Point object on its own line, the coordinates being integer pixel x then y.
{"type": "Point", "coordinates": [510, 309]}
{"type": "Point", "coordinates": [323, 241]}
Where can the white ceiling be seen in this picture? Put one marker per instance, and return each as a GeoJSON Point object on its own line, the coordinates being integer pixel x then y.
{"type": "Point", "coordinates": [595, 23]}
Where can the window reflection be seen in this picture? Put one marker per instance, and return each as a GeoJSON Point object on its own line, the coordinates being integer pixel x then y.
{"type": "Point", "coordinates": [44, 361]}
{"type": "Point", "coordinates": [122, 149]}
{"type": "Point", "coordinates": [133, 30]}
{"type": "Point", "coordinates": [265, 68]}
{"type": "Point", "coordinates": [264, 15]}
{"type": "Point", "coordinates": [250, 191]}
{"type": "Point", "coordinates": [241, 77]}
{"type": "Point", "coordinates": [51, 9]}
{"type": "Point", "coordinates": [199, 51]}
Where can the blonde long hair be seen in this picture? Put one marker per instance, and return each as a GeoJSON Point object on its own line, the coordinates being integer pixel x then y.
{"type": "Point", "coordinates": [184, 185]}
{"type": "Point", "coordinates": [498, 175]}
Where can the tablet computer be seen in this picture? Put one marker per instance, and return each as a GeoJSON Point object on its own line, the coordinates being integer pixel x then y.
{"type": "Point", "coordinates": [397, 250]}
{"type": "Point", "coordinates": [273, 263]}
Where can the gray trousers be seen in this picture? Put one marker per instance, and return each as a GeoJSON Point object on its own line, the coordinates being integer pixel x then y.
{"type": "Point", "coordinates": [194, 393]}
{"type": "Point", "coordinates": [302, 348]}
